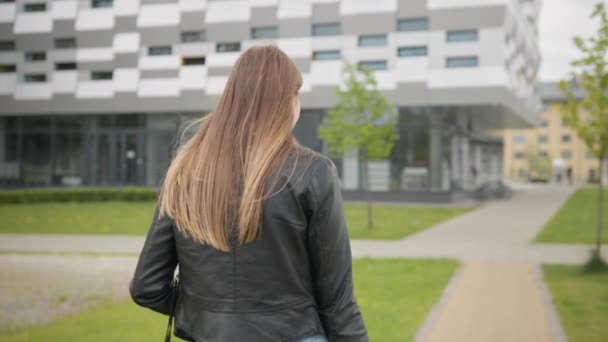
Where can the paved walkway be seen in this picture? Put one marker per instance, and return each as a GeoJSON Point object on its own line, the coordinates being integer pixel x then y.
{"type": "Point", "coordinates": [498, 295]}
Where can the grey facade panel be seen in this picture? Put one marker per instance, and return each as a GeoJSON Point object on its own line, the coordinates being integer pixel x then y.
{"type": "Point", "coordinates": [10, 57]}
{"type": "Point", "coordinates": [228, 32]}
{"type": "Point", "coordinates": [412, 8]}
{"type": "Point", "coordinates": [295, 27]}
{"type": "Point", "coordinates": [192, 21]}
{"type": "Point", "coordinates": [125, 24]}
{"type": "Point", "coordinates": [218, 71]}
{"type": "Point", "coordinates": [411, 94]}
{"type": "Point", "coordinates": [12, 106]}
{"type": "Point", "coordinates": [264, 16]}
{"type": "Point", "coordinates": [126, 60]}
{"type": "Point", "coordinates": [6, 31]}
{"type": "Point", "coordinates": [158, 104]}
{"type": "Point", "coordinates": [94, 39]}
{"type": "Point", "coordinates": [159, 36]}
{"type": "Point", "coordinates": [64, 28]}
{"type": "Point", "coordinates": [325, 12]}
{"type": "Point", "coordinates": [369, 23]}
{"type": "Point", "coordinates": [467, 17]}
{"type": "Point", "coordinates": [33, 42]}
{"type": "Point", "coordinates": [164, 73]}
{"type": "Point", "coordinates": [96, 66]}
{"type": "Point", "coordinates": [35, 67]}
{"type": "Point", "coordinates": [195, 101]}
{"type": "Point", "coordinates": [61, 55]}
{"type": "Point", "coordinates": [303, 64]}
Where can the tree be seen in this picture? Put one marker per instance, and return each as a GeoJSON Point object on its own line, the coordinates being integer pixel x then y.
{"type": "Point", "coordinates": [362, 119]}
{"type": "Point", "coordinates": [539, 165]}
{"type": "Point", "coordinates": [589, 116]}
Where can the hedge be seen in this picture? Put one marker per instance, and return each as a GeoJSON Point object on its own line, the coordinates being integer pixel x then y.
{"type": "Point", "coordinates": [78, 195]}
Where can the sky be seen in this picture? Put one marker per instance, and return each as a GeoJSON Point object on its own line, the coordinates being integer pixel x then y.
{"type": "Point", "coordinates": [560, 20]}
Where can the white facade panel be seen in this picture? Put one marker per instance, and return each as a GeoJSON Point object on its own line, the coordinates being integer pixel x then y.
{"type": "Point", "coordinates": [192, 5]}
{"type": "Point", "coordinates": [158, 87]}
{"type": "Point", "coordinates": [467, 77]}
{"type": "Point", "coordinates": [227, 11]}
{"type": "Point", "coordinates": [412, 69]}
{"type": "Point", "coordinates": [125, 8]}
{"type": "Point", "coordinates": [64, 82]}
{"type": "Point", "coordinates": [327, 73]}
{"type": "Point", "coordinates": [95, 19]}
{"type": "Point", "coordinates": [126, 42]}
{"type": "Point", "coordinates": [95, 89]}
{"type": "Point", "coordinates": [441, 4]}
{"type": "Point", "coordinates": [296, 47]}
{"type": "Point", "coordinates": [159, 62]}
{"type": "Point", "coordinates": [192, 77]}
{"type": "Point", "coordinates": [126, 79]}
{"type": "Point", "coordinates": [64, 9]}
{"type": "Point", "coordinates": [94, 54]}
{"type": "Point", "coordinates": [222, 59]}
{"type": "Point", "coordinates": [8, 82]}
{"type": "Point", "coordinates": [193, 49]}
{"type": "Point", "coordinates": [352, 7]}
{"type": "Point", "coordinates": [216, 84]}
{"type": "Point", "coordinates": [294, 9]}
{"type": "Point", "coordinates": [33, 91]}
{"type": "Point", "coordinates": [34, 23]}
{"type": "Point", "coordinates": [8, 12]}
{"type": "Point", "coordinates": [158, 15]}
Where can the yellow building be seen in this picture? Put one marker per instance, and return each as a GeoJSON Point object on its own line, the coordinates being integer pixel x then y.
{"type": "Point", "coordinates": [554, 140]}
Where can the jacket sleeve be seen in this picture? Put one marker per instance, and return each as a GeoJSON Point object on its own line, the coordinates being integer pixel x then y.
{"type": "Point", "coordinates": [331, 259]}
{"type": "Point", "coordinates": [151, 285]}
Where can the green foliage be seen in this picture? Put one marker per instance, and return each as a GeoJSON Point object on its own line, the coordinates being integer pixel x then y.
{"type": "Point", "coordinates": [385, 289]}
{"type": "Point", "coordinates": [540, 166]}
{"type": "Point", "coordinates": [362, 118]}
{"type": "Point", "coordinates": [77, 195]}
{"type": "Point", "coordinates": [589, 116]}
{"type": "Point", "coordinates": [581, 299]}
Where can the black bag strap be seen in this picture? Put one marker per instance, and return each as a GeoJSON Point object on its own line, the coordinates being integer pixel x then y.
{"type": "Point", "coordinates": [172, 307]}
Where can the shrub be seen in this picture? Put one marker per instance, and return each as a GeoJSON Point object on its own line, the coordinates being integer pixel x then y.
{"type": "Point", "coordinates": [78, 195]}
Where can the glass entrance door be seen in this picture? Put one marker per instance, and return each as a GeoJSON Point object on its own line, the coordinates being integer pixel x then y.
{"type": "Point", "coordinates": [119, 158]}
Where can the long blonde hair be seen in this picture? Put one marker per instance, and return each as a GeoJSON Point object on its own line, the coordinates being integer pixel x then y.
{"type": "Point", "coordinates": [217, 180]}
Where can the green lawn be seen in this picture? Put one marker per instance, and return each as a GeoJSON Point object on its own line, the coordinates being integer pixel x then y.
{"type": "Point", "coordinates": [581, 300]}
{"type": "Point", "coordinates": [395, 296]}
{"type": "Point", "coordinates": [134, 218]}
{"type": "Point", "coordinates": [576, 221]}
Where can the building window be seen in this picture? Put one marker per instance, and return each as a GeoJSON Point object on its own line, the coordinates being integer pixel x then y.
{"type": "Point", "coordinates": [461, 62]}
{"type": "Point", "coordinates": [519, 139]}
{"type": "Point", "coordinates": [228, 47]}
{"type": "Point", "coordinates": [373, 65]}
{"type": "Point", "coordinates": [566, 154]}
{"type": "Point", "coordinates": [542, 139]}
{"type": "Point", "coordinates": [270, 32]}
{"type": "Point", "coordinates": [65, 43]}
{"type": "Point", "coordinates": [462, 36]}
{"type": "Point", "coordinates": [412, 24]}
{"type": "Point", "coordinates": [37, 7]}
{"type": "Point", "coordinates": [566, 138]}
{"type": "Point", "coordinates": [518, 155]}
{"type": "Point", "coordinates": [543, 154]}
{"type": "Point", "coordinates": [327, 29]}
{"type": "Point", "coordinates": [37, 56]}
{"type": "Point", "coordinates": [544, 123]}
{"type": "Point", "coordinates": [589, 155]}
{"type": "Point", "coordinates": [193, 60]}
{"type": "Point", "coordinates": [101, 75]}
{"type": "Point", "coordinates": [326, 55]}
{"type": "Point", "coordinates": [101, 3]}
{"type": "Point", "coordinates": [7, 45]}
{"type": "Point", "coordinates": [372, 40]}
{"type": "Point", "coordinates": [159, 50]}
{"type": "Point", "coordinates": [412, 51]}
{"type": "Point", "coordinates": [565, 122]}
{"type": "Point", "coordinates": [34, 78]}
{"type": "Point", "coordinates": [193, 36]}
{"type": "Point", "coordinates": [7, 68]}
{"type": "Point", "coordinates": [65, 66]}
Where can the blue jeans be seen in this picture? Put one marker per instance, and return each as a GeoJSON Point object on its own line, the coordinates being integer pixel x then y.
{"type": "Point", "coordinates": [317, 338]}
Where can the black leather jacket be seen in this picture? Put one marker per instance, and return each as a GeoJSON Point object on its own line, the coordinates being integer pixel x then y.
{"type": "Point", "coordinates": [294, 281]}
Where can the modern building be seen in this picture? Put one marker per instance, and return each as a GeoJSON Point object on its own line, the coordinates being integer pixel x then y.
{"type": "Point", "coordinates": [553, 140]}
{"type": "Point", "coordinates": [93, 92]}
